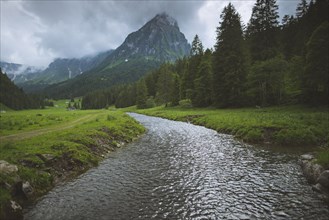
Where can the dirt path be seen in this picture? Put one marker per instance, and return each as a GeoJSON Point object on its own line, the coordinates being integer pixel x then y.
{"type": "Point", "coordinates": [29, 134]}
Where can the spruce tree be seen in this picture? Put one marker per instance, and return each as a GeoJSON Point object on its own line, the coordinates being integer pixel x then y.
{"type": "Point", "coordinates": [164, 85]}
{"type": "Point", "coordinates": [203, 82]}
{"type": "Point", "coordinates": [175, 97]}
{"type": "Point", "coordinates": [230, 64]}
{"type": "Point", "coordinates": [197, 47]}
{"type": "Point", "coordinates": [141, 94]}
{"type": "Point", "coordinates": [192, 68]}
{"type": "Point", "coordinates": [315, 80]}
{"type": "Point", "coordinates": [301, 9]}
{"type": "Point", "coordinates": [262, 30]}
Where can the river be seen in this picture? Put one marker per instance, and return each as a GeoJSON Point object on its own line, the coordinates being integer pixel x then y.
{"type": "Point", "coordinates": [182, 171]}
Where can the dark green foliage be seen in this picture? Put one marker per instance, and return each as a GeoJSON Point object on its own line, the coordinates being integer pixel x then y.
{"type": "Point", "coordinates": [126, 97]}
{"type": "Point", "coordinates": [150, 81]}
{"type": "Point", "coordinates": [94, 100]}
{"type": "Point", "coordinates": [230, 65]}
{"type": "Point", "coordinates": [266, 82]}
{"type": "Point", "coordinates": [293, 80]}
{"type": "Point", "coordinates": [203, 82]}
{"type": "Point", "coordinates": [262, 30]}
{"type": "Point", "coordinates": [297, 31]}
{"type": "Point", "coordinates": [165, 85]}
{"type": "Point", "coordinates": [14, 97]}
{"type": "Point", "coordinates": [141, 94]}
{"type": "Point", "coordinates": [122, 73]}
{"type": "Point", "coordinates": [315, 80]}
{"type": "Point", "coordinates": [175, 97]}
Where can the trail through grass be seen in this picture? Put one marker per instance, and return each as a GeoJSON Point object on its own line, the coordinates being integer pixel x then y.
{"type": "Point", "coordinates": [62, 126]}
{"type": "Point", "coordinates": [51, 145]}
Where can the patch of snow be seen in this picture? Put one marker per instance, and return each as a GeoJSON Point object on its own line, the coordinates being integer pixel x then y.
{"type": "Point", "coordinates": [70, 73]}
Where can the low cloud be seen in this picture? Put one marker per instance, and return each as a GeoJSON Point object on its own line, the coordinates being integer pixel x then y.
{"type": "Point", "coordinates": [36, 32]}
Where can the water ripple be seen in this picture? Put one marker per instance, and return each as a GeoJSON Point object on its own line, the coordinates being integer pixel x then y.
{"type": "Point", "coordinates": [181, 171]}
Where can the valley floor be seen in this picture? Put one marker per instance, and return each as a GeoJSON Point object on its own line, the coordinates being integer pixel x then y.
{"type": "Point", "coordinates": [40, 148]}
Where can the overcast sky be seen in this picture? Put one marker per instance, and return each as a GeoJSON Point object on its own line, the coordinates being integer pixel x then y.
{"type": "Point", "coordinates": [36, 32]}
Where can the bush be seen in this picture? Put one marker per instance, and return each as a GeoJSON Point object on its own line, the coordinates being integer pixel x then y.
{"type": "Point", "coordinates": [185, 103]}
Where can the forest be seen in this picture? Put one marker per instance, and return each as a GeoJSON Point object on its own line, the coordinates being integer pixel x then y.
{"type": "Point", "coordinates": [265, 63]}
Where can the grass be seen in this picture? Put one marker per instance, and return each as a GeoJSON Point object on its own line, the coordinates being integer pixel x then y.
{"type": "Point", "coordinates": [288, 126]}
{"type": "Point", "coordinates": [4, 107]}
{"type": "Point", "coordinates": [75, 141]}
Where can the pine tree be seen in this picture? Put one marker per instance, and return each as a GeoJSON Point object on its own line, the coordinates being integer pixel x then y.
{"type": "Point", "coordinates": [301, 9]}
{"type": "Point", "coordinates": [175, 97]}
{"type": "Point", "coordinates": [262, 30]}
{"type": "Point", "coordinates": [230, 65]}
{"type": "Point", "coordinates": [189, 74]}
{"type": "Point", "coordinates": [197, 47]}
{"type": "Point", "coordinates": [203, 82]}
{"type": "Point", "coordinates": [164, 85]}
{"type": "Point", "coordinates": [141, 94]}
{"type": "Point", "coordinates": [315, 80]}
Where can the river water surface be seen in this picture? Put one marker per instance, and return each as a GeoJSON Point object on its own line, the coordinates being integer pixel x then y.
{"type": "Point", "coordinates": [182, 171]}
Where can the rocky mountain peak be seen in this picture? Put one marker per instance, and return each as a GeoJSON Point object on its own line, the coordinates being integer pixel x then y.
{"type": "Point", "coordinates": [159, 39]}
{"type": "Point", "coordinates": [164, 19]}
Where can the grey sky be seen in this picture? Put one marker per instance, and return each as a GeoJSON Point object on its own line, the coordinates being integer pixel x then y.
{"type": "Point", "coordinates": [36, 32]}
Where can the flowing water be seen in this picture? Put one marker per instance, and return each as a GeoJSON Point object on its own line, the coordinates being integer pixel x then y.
{"type": "Point", "coordinates": [182, 171]}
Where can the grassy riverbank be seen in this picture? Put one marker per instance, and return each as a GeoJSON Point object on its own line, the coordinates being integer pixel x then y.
{"type": "Point", "coordinates": [279, 126]}
{"type": "Point", "coordinates": [52, 145]}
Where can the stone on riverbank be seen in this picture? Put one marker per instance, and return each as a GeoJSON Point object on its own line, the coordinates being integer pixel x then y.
{"type": "Point", "coordinates": [316, 175]}
{"type": "Point", "coordinates": [310, 169]}
{"type": "Point", "coordinates": [7, 168]}
{"type": "Point", "coordinates": [324, 179]}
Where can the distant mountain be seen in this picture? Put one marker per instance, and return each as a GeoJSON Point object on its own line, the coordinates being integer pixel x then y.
{"type": "Point", "coordinates": [19, 72]}
{"type": "Point", "coordinates": [14, 97]}
{"type": "Point", "coordinates": [158, 41]}
{"type": "Point", "coordinates": [60, 70]}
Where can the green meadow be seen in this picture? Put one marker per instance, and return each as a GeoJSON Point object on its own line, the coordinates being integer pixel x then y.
{"type": "Point", "coordinates": [284, 127]}
{"type": "Point", "coordinates": [54, 144]}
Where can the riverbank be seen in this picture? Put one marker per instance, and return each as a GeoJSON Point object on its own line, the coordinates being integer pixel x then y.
{"type": "Point", "coordinates": [291, 126]}
{"type": "Point", "coordinates": [42, 148]}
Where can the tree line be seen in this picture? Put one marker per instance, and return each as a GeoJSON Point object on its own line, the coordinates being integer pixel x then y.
{"type": "Point", "coordinates": [15, 98]}
{"type": "Point", "coordinates": [264, 63]}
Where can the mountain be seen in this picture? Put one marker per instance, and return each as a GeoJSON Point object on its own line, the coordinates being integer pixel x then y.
{"type": "Point", "coordinates": [158, 41]}
{"type": "Point", "coordinates": [14, 97]}
{"type": "Point", "coordinates": [59, 70]}
{"type": "Point", "coordinates": [19, 72]}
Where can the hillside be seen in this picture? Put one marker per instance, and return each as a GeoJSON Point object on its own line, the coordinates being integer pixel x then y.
{"type": "Point", "coordinates": [14, 97]}
{"type": "Point", "coordinates": [59, 70]}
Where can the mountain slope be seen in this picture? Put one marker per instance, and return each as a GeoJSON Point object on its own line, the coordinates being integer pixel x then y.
{"type": "Point", "coordinates": [158, 41]}
{"type": "Point", "coordinates": [14, 97]}
{"type": "Point", "coordinates": [62, 69]}
{"type": "Point", "coordinates": [19, 72]}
